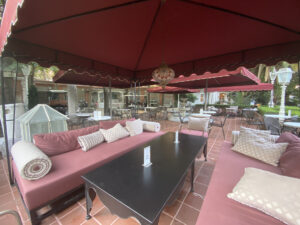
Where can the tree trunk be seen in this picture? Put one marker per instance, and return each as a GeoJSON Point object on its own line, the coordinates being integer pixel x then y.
{"type": "Point", "coordinates": [260, 69]}
{"type": "Point", "coordinates": [106, 101]}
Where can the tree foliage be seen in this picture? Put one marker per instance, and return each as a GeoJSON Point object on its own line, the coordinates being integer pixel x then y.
{"type": "Point", "coordinates": [190, 97]}
{"type": "Point", "coordinates": [33, 98]}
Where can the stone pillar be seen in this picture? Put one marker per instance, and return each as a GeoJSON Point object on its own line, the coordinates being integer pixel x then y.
{"type": "Point", "coordinates": [72, 99]}
{"type": "Point", "coordinates": [27, 72]}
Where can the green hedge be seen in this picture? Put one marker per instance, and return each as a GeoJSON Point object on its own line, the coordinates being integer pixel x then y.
{"type": "Point", "coordinates": [266, 110]}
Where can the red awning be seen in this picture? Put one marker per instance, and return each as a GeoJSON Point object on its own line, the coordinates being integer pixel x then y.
{"type": "Point", "coordinates": [125, 37]}
{"type": "Point", "coordinates": [240, 76]}
{"type": "Point", "coordinates": [171, 90]}
{"type": "Point", "coordinates": [259, 87]}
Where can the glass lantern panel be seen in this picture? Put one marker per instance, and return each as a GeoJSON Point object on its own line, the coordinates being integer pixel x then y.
{"type": "Point", "coordinates": [284, 75]}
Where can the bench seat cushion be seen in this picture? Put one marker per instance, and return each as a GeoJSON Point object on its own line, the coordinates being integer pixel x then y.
{"type": "Point", "coordinates": [220, 210]}
{"type": "Point", "coordinates": [60, 142]}
{"type": "Point", "coordinates": [194, 132]}
{"type": "Point", "coordinates": [68, 168]}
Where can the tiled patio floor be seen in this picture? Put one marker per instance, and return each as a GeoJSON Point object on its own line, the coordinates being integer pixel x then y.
{"type": "Point", "coordinates": [185, 209]}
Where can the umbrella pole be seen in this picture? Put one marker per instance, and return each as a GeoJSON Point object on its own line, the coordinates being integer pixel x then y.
{"type": "Point", "coordinates": [205, 102]}
{"type": "Point", "coordinates": [135, 102]}
{"type": "Point", "coordinates": [178, 101]}
{"type": "Point", "coordinates": [110, 98]}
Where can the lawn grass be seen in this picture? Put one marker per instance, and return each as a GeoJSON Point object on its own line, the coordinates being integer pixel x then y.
{"type": "Point", "coordinates": [266, 110]}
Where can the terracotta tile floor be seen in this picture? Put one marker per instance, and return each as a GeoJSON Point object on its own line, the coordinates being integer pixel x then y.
{"type": "Point", "coordinates": [184, 211]}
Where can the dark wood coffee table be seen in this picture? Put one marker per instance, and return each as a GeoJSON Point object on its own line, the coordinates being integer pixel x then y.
{"type": "Point", "coordinates": [128, 189]}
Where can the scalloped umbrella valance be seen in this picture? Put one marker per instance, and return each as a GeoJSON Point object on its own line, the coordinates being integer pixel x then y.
{"type": "Point", "coordinates": [171, 90]}
{"type": "Point", "coordinates": [258, 87]}
{"type": "Point", "coordinates": [122, 38]}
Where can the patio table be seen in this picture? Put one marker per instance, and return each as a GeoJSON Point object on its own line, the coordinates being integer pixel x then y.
{"type": "Point", "coordinates": [150, 108]}
{"type": "Point", "coordinates": [209, 112]}
{"type": "Point", "coordinates": [292, 124]}
{"type": "Point", "coordinates": [129, 189]}
{"type": "Point", "coordinates": [295, 127]}
{"type": "Point", "coordinates": [83, 115]}
{"type": "Point", "coordinates": [100, 118]}
{"type": "Point", "coordinates": [278, 116]}
{"type": "Point", "coordinates": [249, 109]}
{"type": "Point", "coordinates": [200, 115]}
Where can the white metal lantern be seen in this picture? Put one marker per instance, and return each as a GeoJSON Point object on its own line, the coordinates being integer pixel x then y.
{"type": "Point", "coordinates": [273, 76]}
{"type": "Point", "coordinates": [41, 119]}
{"type": "Point", "coordinates": [163, 74]}
{"type": "Point", "coordinates": [284, 78]}
{"type": "Point", "coordinates": [284, 75]}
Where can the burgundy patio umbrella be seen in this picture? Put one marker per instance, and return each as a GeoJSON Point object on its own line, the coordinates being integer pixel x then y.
{"type": "Point", "coordinates": [130, 38]}
{"type": "Point", "coordinates": [171, 90]}
{"type": "Point", "coordinates": [240, 76]}
{"type": "Point", "coordinates": [258, 87]}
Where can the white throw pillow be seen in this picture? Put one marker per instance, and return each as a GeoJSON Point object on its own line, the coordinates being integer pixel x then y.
{"type": "Point", "coordinates": [273, 194]}
{"type": "Point", "coordinates": [90, 140]}
{"type": "Point", "coordinates": [200, 124]}
{"type": "Point", "coordinates": [134, 127]}
{"type": "Point", "coordinates": [115, 133]}
{"type": "Point", "coordinates": [259, 146]}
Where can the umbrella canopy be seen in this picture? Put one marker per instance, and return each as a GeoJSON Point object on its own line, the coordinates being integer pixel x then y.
{"type": "Point", "coordinates": [259, 87]}
{"type": "Point", "coordinates": [171, 90]}
{"type": "Point", "coordinates": [130, 38]}
{"type": "Point", "coordinates": [240, 76]}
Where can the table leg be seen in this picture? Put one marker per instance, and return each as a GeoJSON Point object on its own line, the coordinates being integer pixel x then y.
{"type": "Point", "coordinates": [89, 202]}
{"type": "Point", "coordinates": [192, 176]}
{"type": "Point", "coordinates": [205, 151]}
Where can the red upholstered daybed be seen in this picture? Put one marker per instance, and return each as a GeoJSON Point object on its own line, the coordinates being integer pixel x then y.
{"type": "Point", "coordinates": [68, 167]}
{"type": "Point", "coordinates": [217, 209]}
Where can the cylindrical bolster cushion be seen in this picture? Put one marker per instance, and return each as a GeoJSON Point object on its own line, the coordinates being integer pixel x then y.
{"type": "Point", "coordinates": [30, 161]}
{"type": "Point", "coordinates": [151, 126]}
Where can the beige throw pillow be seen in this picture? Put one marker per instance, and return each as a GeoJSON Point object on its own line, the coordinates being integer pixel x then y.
{"type": "Point", "coordinates": [198, 124]}
{"type": "Point", "coordinates": [114, 133]}
{"type": "Point", "coordinates": [90, 140]}
{"type": "Point", "coordinates": [259, 146]}
{"type": "Point", "coordinates": [134, 127]}
{"type": "Point", "coordinates": [273, 194]}
{"type": "Point", "coordinates": [255, 130]}
{"type": "Point", "coordinates": [261, 133]}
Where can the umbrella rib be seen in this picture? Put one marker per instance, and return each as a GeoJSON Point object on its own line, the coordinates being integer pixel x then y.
{"type": "Point", "coordinates": [78, 15]}
{"type": "Point", "coordinates": [148, 36]}
{"type": "Point", "coordinates": [241, 15]}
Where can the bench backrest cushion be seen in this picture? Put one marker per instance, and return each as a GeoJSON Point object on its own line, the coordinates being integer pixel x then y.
{"type": "Point", "coordinates": [111, 123]}
{"type": "Point", "coordinates": [289, 160]}
{"type": "Point", "coordinates": [60, 142]}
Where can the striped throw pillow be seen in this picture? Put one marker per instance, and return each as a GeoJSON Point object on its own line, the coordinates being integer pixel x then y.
{"type": "Point", "coordinates": [88, 141]}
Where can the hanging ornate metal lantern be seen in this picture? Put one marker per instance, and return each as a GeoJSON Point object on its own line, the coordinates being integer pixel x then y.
{"type": "Point", "coordinates": [163, 74]}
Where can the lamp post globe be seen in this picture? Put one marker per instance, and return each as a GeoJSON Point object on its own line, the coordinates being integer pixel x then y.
{"type": "Point", "coordinates": [284, 78]}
